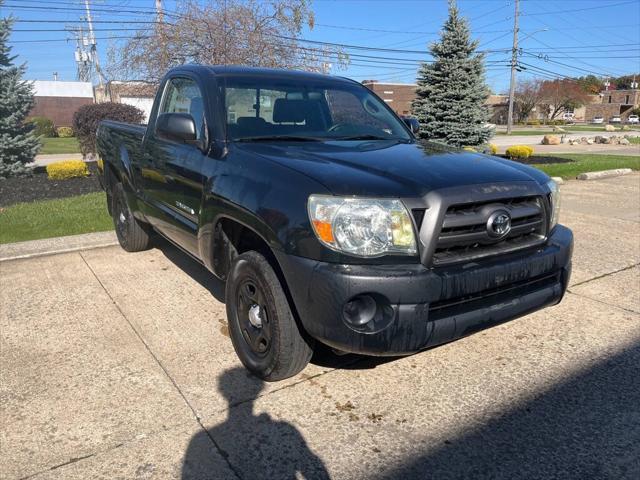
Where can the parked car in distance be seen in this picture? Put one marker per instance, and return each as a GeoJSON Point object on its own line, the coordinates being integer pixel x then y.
{"type": "Point", "coordinates": [615, 119]}
{"type": "Point", "coordinates": [327, 219]}
{"type": "Point", "coordinates": [597, 119]}
{"type": "Point", "coordinates": [568, 116]}
{"type": "Point", "coordinates": [633, 119]}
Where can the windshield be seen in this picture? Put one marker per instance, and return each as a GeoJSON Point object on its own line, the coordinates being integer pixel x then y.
{"type": "Point", "coordinates": [264, 109]}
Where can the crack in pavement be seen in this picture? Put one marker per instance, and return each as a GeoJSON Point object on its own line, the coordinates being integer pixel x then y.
{"type": "Point", "coordinates": [604, 275]}
{"type": "Point", "coordinates": [602, 302]}
{"type": "Point", "coordinates": [222, 453]}
{"type": "Point", "coordinates": [216, 445]}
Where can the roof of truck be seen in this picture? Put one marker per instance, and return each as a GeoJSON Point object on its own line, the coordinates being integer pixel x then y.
{"type": "Point", "coordinates": [240, 70]}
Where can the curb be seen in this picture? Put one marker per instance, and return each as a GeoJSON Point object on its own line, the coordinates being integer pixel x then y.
{"type": "Point", "coordinates": [57, 245]}
{"type": "Point", "coordinates": [616, 172]}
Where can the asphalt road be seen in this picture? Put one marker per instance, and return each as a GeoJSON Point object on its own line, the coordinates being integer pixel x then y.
{"type": "Point", "coordinates": [118, 365]}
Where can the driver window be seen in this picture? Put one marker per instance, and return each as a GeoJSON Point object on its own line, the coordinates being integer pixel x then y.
{"type": "Point", "coordinates": [183, 96]}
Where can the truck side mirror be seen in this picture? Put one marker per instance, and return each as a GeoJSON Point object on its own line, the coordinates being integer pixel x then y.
{"type": "Point", "coordinates": [177, 127]}
{"type": "Point", "coordinates": [412, 123]}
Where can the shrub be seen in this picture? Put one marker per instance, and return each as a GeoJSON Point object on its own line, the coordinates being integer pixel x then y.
{"type": "Point", "coordinates": [43, 127]}
{"type": "Point", "coordinates": [67, 169]}
{"type": "Point", "coordinates": [88, 117]}
{"type": "Point", "coordinates": [493, 148]}
{"type": "Point", "coordinates": [533, 123]}
{"type": "Point", "coordinates": [65, 132]}
{"type": "Point", "coordinates": [519, 152]}
{"type": "Point", "coordinates": [469, 149]}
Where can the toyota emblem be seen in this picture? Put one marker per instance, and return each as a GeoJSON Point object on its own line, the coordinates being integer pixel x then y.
{"type": "Point", "coordinates": [499, 224]}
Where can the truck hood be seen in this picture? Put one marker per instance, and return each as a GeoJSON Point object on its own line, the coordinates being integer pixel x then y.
{"type": "Point", "coordinates": [381, 168]}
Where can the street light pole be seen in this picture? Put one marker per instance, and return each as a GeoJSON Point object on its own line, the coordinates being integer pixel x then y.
{"type": "Point", "coordinates": [514, 63]}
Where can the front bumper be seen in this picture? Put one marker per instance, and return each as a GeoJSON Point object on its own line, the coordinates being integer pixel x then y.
{"type": "Point", "coordinates": [423, 306]}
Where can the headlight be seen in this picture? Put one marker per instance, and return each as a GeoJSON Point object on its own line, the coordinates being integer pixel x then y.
{"type": "Point", "coordinates": [362, 227]}
{"type": "Point", "coordinates": [554, 197]}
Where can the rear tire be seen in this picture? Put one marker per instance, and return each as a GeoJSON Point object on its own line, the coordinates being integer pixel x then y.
{"type": "Point", "coordinates": [132, 235]}
{"type": "Point", "coordinates": [263, 330]}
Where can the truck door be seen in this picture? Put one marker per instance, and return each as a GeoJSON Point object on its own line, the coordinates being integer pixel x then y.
{"type": "Point", "coordinates": [172, 172]}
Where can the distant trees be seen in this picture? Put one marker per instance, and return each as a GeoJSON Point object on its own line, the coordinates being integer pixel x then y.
{"type": "Point", "coordinates": [224, 32]}
{"type": "Point", "coordinates": [561, 95]}
{"type": "Point", "coordinates": [18, 143]}
{"type": "Point", "coordinates": [527, 97]}
{"type": "Point", "coordinates": [591, 84]}
{"type": "Point", "coordinates": [451, 92]}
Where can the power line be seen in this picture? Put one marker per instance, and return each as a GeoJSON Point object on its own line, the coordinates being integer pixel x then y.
{"type": "Point", "coordinates": [573, 10]}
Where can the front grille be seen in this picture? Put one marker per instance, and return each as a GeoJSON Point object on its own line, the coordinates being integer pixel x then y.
{"type": "Point", "coordinates": [464, 234]}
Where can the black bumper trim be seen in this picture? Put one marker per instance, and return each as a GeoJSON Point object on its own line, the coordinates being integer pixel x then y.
{"type": "Point", "coordinates": [431, 305]}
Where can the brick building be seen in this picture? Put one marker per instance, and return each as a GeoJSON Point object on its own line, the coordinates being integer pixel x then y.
{"type": "Point", "coordinates": [397, 95]}
{"type": "Point", "coordinates": [58, 101]}
{"type": "Point", "coordinates": [613, 102]}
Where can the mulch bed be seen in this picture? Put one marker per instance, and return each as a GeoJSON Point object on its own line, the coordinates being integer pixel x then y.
{"type": "Point", "coordinates": [39, 187]}
{"type": "Point", "coordinates": [539, 159]}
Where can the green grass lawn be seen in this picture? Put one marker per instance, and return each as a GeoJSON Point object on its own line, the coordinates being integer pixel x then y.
{"type": "Point", "coordinates": [54, 218]}
{"type": "Point", "coordinates": [588, 163]}
{"type": "Point", "coordinates": [59, 145]}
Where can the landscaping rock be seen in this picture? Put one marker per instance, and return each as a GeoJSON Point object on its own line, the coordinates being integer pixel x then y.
{"type": "Point", "coordinates": [609, 128]}
{"type": "Point", "coordinates": [589, 141]}
{"type": "Point", "coordinates": [604, 174]}
{"type": "Point", "coordinates": [584, 140]}
{"type": "Point", "coordinates": [550, 140]}
{"type": "Point", "coordinates": [624, 141]}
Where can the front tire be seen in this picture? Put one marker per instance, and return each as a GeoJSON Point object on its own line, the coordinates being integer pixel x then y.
{"type": "Point", "coordinates": [263, 330]}
{"type": "Point", "coordinates": [132, 234]}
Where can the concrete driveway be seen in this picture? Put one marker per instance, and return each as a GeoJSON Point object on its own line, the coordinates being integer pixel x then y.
{"type": "Point", "coordinates": [118, 365]}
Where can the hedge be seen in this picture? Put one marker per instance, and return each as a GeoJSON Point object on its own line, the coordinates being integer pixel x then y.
{"type": "Point", "coordinates": [88, 117]}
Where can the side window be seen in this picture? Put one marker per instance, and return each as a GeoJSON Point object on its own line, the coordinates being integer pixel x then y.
{"type": "Point", "coordinates": [182, 95]}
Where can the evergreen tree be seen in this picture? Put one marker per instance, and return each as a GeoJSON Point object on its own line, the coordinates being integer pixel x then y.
{"type": "Point", "coordinates": [451, 92]}
{"type": "Point", "coordinates": [18, 144]}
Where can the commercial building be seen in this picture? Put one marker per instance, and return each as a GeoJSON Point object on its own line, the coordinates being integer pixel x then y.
{"type": "Point", "coordinates": [137, 93]}
{"type": "Point", "coordinates": [613, 102]}
{"type": "Point", "coordinates": [58, 101]}
{"type": "Point", "coordinates": [397, 95]}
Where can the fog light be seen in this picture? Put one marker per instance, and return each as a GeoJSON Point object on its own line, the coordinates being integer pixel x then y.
{"type": "Point", "coordinates": [360, 310]}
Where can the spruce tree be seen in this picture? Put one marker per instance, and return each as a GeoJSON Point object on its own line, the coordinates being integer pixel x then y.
{"type": "Point", "coordinates": [18, 144]}
{"type": "Point", "coordinates": [451, 92]}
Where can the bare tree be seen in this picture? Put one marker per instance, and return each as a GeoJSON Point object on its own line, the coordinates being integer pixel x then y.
{"type": "Point", "coordinates": [527, 97]}
{"type": "Point", "coordinates": [224, 32]}
{"type": "Point", "coordinates": [562, 95]}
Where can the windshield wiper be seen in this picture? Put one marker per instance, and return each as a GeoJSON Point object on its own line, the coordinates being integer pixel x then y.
{"type": "Point", "coordinates": [370, 137]}
{"type": "Point", "coordinates": [282, 138]}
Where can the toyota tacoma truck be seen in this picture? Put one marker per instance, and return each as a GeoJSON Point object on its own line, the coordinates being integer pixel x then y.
{"type": "Point", "coordinates": [327, 219]}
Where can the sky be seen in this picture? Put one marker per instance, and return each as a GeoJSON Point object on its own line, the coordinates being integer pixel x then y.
{"type": "Point", "coordinates": [558, 37]}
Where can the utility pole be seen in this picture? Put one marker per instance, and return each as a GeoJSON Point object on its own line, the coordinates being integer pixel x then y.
{"type": "Point", "coordinates": [159, 14]}
{"type": "Point", "coordinates": [514, 64]}
{"type": "Point", "coordinates": [92, 42]}
{"type": "Point", "coordinates": [82, 57]}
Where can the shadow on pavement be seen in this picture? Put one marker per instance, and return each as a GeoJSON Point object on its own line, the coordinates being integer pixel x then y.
{"type": "Point", "coordinates": [256, 446]}
{"type": "Point", "coordinates": [585, 428]}
{"type": "Point", "coordinates": [323, 356]}
{"type": "Point", "coordinates": [191, 267]}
